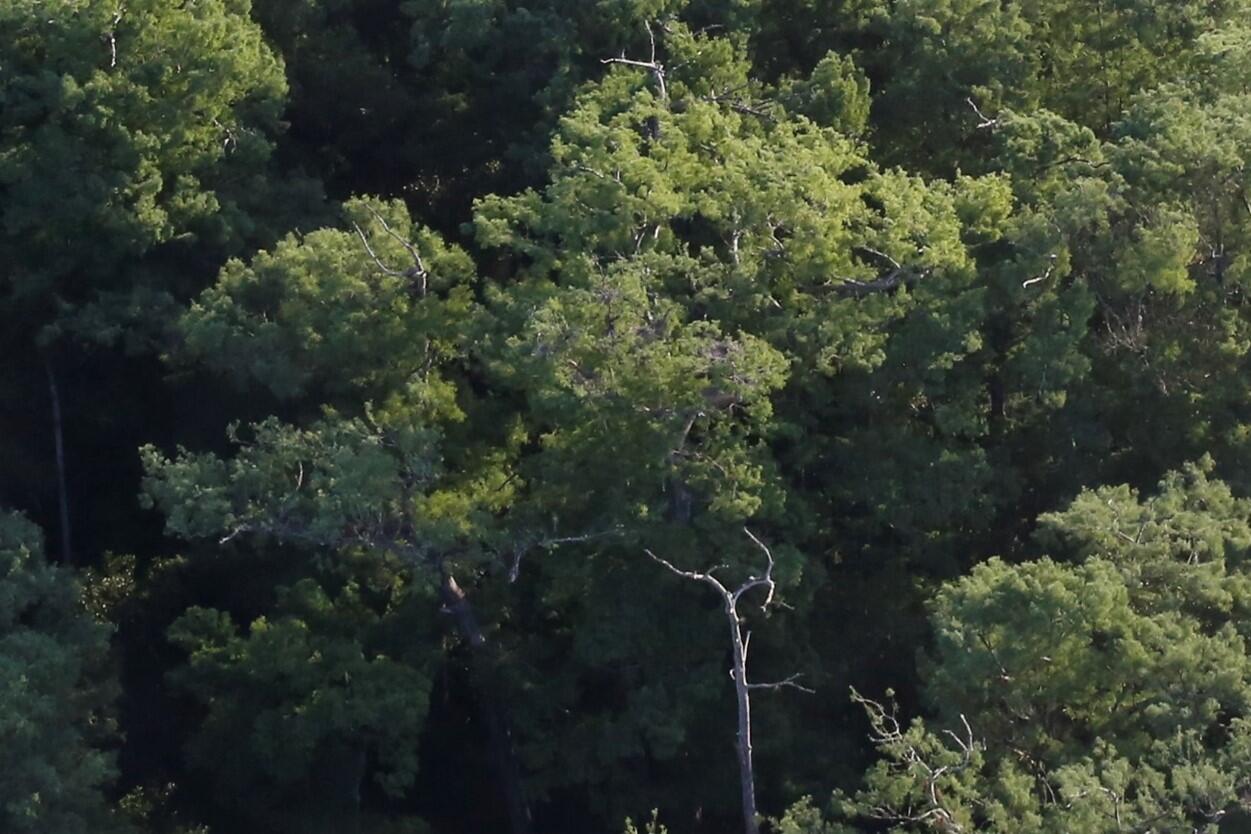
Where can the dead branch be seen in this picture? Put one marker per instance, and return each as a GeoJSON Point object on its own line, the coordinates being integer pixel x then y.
{"type": "Point", "coordinates": [692, 575]}
{"type": "Point", "coordinates": [112, 36]}
{"type": "Point", "coordinates": [765, 581]}
{"type": "Point", "coordinates": [1043, 277]}
{"type": "Point", "coordinates": [656, 68]}
{"type": "Point", "coordinates": [886, 732]}
{"type": "Point", "coordinates": [791, 681]}
{"type": "Point", "coordinates": [986, 121]}
{"type": "Point", "coordinates": [880, 255]}
{"type": "Point", "coordinates": [740, 640]}
{"type": "Point", "coordinates": [741, 105]}
{"type": "Point", "coordinates": [522, 549]}
{"type": "Point", "coordinates": [416, 271]}
{"type": "Point", "coordinates": [850, 287]}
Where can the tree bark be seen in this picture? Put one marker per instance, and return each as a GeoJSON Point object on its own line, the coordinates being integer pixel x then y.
{"type": "Point", "coordinates": [742, 691]}
{"type": "Point", "coordinates": [58, 439]}
{"type": "Point", "coordinates": [495, 714]}
{"type": "Point", "coordinates": [742, 686]}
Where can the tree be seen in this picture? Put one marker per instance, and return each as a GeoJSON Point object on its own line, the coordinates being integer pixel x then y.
{"type": "Point", "coordinates": [373, 486]}
{"type": "Point", "coordinates": [740, 642]}
{"type": "Point", "coordinates": [1106, 693]}
{"type": "Point", "coordinates": [308, 705]}
{"type": "Point", "coordinates": [54, 702]}
{"type": "Point", "coordinates": [128, 131]}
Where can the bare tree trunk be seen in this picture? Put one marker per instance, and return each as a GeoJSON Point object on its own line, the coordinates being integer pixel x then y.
{"type": "Point", "coordinates": [58, 439]}
{"type": "Point", "coordinates": [740, 642]}
{"type": "Point", "coordinates": [742, 692]}
{"type": "Point", "coordinates": [499, 726]}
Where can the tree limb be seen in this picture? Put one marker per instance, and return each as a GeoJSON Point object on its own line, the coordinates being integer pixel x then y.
{"type": "Point", "coordinates": [657, 69]}
{"type": "Point", "coordinates": [791, 682]}
{"type": "Point", "coordinates": [417, 271]}
{"type": "Point", "coordinates": [986, 122]}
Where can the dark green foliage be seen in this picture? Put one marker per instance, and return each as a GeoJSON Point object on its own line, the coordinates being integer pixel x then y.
{"type": "Point", "coordinates": [54, 700]}
{"type": "Point", "coordinates": [929, 294]}
{"type": "Point", "coordinates": [1112, 689]}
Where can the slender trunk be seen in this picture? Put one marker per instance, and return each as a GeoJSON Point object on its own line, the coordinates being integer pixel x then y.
{"type": "Point", "coordinates": [499, 726]}
{"type": "Point", "coordinates": [58, 439]}
{"type": "Point", "coordinates": [998, 405]}
{"type": "Point", "coordinates": [742, 692]}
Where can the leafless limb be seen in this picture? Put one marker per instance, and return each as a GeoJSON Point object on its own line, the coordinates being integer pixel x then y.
{"type": "Point", "coordinates": [1044, 276]}
{"type": "Point", "coordinates": [765, 581]}
{"type": "Point", "coordinates": [791, 681]}
{"type": "Point", "coordinates": [706, 576]}
{"type": "Point", "coordinates": [586, 169]}
{"type": "Point", "coordinates": [730, 98]}
{"type": "Point", "coordinates": [1071, 159]}
{"type": "Point", "coordinates": [850, 287]}
{"type": "Point", "coordinates": [233, 534]}
{"type": "Point", "coordinates": [519, 552]}
{"type": "Point", "coordinates": [112, 36]}
{"type": "Point", "coordinates": [882, 256]}
{"type": "Point", "coordinates": [656, 68]}
{"type": "Point", "coordinates": [416, 272]}
{"type": "Point", "coordinates": [886, 732]}
{"type": "Point", "coordinates": [967, 744]}
{"type": "Point", "coordinates": [986, 121]}
{"type": "Point", "coordinates": [994, 655]}
{"type": "Point", "coordinates": [898, 275]}
{"type": "Point", "coordinates": [740, 639]}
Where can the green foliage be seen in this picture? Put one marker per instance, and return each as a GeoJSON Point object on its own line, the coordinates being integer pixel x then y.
{"type": "Point", "coordinates": [299, 704]}
{"type": "Point", "coordinates": [125, 127]}
{"type": "Point", "coordinates": [54, 699]}
{"type": "Point", "coordinates": [889, 282]}
{"type": "Point", "coordinates": [321, 310]}
{"type": "Point", "coordinates": [1113, 689]}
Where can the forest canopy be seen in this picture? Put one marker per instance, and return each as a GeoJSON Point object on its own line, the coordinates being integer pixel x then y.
{"type": "Point", "coordinates": [803, 416]}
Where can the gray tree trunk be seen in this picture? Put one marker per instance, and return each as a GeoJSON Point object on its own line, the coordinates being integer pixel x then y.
{"type": "Point", "coordinates": [742, 692]}
{"type": "Point", "coordinates": [58, 440]}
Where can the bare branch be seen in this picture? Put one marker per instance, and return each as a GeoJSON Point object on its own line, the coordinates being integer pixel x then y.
{"type": "Point", "coordinates": [417, 271]}
{"type": "Point", "coordinates": [738, 104]}
{"type": "Point", "coordinates": [986, 122]}
{"type": "Point", "coordinates": [791, 682]}
{"type": "Point", "coordinates": [967, 744]}
{"type": "Point", "coordinates": [656, 68]}
{"type": "Point", "coordinates": [741, 642]}
{"type": "Point", "coordinates": [378, 261]}
{"type": "Point", "coordinates": [890, 281]}
{"type": "Point", "coordinates": [766, 580]}
{"type": "Point", "coordinates": [881, 256]}
{"type": "Point", "coordinates": [233, 534]}
{"type": "Point", "coordinates": [522, 549]}
{"type": "Point", "coordinates": [1050, 268]}
{"type": "Point", "coordinates": [112, 36]}
{"type": "Point", "coordinates": [693, 575]}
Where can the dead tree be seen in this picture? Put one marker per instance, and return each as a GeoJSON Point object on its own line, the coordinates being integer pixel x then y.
{"type": "Point", "coordinates": [62, 486]}
{"type": "Point", "coordinates": [740, 641]}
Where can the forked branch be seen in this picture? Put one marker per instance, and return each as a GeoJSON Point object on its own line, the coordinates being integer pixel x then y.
{"type": "Point", "coordinates": [417, 272]}
{"type": "Point", "coordinates": [656, 68]}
